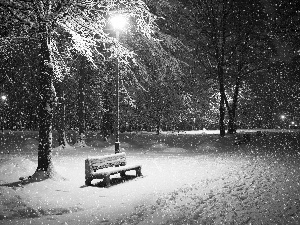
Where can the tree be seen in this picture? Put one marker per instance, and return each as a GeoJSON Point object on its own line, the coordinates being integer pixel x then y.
{"type": "Point", "coordinates": [226, 37]}
{"type": "Point", "coordinates": [280, 81]}
{"type": "Point", "coordinates": [43, 20]}
{"type": "Point", "coordinates": [158, 104]}
{"type": "Point", "coordinates": [82, 70]}
{"type": "Point", "coordinates": [284, 19]}
{"type": "Point", "coordinates": [19, 84]}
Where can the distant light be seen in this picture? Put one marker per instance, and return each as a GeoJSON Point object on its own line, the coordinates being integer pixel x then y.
{"type": "Point", "coordinates": [118, 21]}
{"type": "Point", "coordinates": [282, 117]}
{"type": "Point", "coordinates": [293, 122]}
{"type": "Point", "coordinates": [3, 97]}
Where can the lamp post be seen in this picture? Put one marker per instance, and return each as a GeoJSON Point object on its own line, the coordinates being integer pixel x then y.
{"type": "Point", "coordinates": [283, 117]}
{"type": "Point", "coordinates": [3, 99]}
{"type": "Point", "coordinates": [117, 142]}
{"type": "Point", "coordinates": [118, 21]}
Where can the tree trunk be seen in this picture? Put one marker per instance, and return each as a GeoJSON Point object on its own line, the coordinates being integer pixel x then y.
{"type": "Point", "coordinates": [47, 100]}
{"type": "Point", "coordinates": [61, 117]}
{"type": "Point", "coordinates": [157, 129]}
{"type": "Point", "coordinates": [231, 121]}
{"type": "Point", "coordinates": [221, 58]}
{"type": "Point", "coordinates": [222, 101]}
{"type": "Point", "coordinates": [81, 102]}
{"type": "Point", "coordinates": [222, 117]}
{"type": "Point", "coordinates": [233, 107]}
{"type": "Point", "coordinates": [158, 126]}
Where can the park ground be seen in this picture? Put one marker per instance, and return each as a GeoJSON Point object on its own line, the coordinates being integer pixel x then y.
{"type": "Point", "coordinates": [188, 178]}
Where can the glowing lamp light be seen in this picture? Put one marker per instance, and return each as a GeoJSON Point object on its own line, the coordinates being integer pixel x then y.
{"type": "Point", "coordinates": [282, 117]}
{"type": "Point", "coordinates": [3, 97]}
{"type": "Point", "coordinates": [118, 22]}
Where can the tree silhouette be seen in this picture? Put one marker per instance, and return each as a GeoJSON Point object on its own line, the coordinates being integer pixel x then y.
{"type": "Point", "coordinates": [229, 40]}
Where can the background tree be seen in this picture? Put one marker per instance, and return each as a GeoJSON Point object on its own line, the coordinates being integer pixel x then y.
{"type": "Point", "coordinates": [18, 68]}
{"type": "Point", "coordinates": [227, 39]}
{"type": "Point", "coordinates": [285, 21]}
{"type": "Point", "coordinates": [60, 115]}
{"type": "Point", "coordinates": [158, 105]}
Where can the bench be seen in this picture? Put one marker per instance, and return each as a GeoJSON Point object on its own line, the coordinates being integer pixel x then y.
{"type": "Point", "coordinates": [104, 166]}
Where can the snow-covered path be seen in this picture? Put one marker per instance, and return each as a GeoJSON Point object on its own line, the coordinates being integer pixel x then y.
{"type": "Point", "coordinates": [212, 182]}
{"type": "Point", "coordinates": [252, 191]}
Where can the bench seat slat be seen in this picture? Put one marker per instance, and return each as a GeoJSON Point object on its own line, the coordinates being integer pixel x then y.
{"type": "Point", "coordinates": [107, 161]}
{"type": "Point", "coordinates": [100, 165]}
{"type": "Point", "coordinates": [113, 170]}
{"type": "Point", "coordinates": [96, 163]}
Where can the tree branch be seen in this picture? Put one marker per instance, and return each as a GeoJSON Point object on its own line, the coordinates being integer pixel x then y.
{"type": "Point", "coordinates": [13, 5]}
{"type": "Point", "coordinates": [27, 22]}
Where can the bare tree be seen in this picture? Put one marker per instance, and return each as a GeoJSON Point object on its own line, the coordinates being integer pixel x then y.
{"type": "Point", "coordinates": [230, 41]}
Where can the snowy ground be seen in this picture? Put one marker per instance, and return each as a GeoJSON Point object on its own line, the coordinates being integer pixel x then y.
{"type": "Point", "coordinates": [189, 178]}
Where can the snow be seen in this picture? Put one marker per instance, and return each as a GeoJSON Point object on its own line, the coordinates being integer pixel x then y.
{"type": "Point", "coordinates": [188, 178]}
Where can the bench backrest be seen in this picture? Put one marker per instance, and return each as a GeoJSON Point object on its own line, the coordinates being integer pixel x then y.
{"type": "Point", "coordinates": [96, 163]}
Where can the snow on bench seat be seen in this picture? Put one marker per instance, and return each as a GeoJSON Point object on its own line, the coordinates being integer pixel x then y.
{"type": "Point", "coordinates": [104, 166]}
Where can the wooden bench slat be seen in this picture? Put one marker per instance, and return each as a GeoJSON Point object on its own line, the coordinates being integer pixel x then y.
{"type": "Point", "coordinates": [107, 161]}
{"type": "Point", "coordinates": [111, 170]}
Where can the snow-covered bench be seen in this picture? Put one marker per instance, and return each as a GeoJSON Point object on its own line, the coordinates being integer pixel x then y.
{"type": "Point", "coordinates": [104, 166]}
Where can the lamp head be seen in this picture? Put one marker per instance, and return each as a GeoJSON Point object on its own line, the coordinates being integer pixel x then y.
{"type": "Point", "coordinates": [3, 97]}
{"type": "Point", "coordinates": [118, 21]}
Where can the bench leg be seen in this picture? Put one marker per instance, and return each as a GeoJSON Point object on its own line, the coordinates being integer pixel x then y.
{"type": "Point", "coordinates": [122, 174]}
{"type": "Point", "coordinates": [88, 181]}
{"type": "Point", "coordinates": [107, 181]}
{"type": "Point", "coordinates": [139, 172]}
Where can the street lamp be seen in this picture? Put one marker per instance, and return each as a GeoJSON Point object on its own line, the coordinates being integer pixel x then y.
{"type": "Point", "coordinates": [118, 22]}
{"type": "Point", "coordinates": [282, 117]}
{"type": "Point", "coordinates": [292, 125]}
{"type": "Point", "coordinates": [3, 99]}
